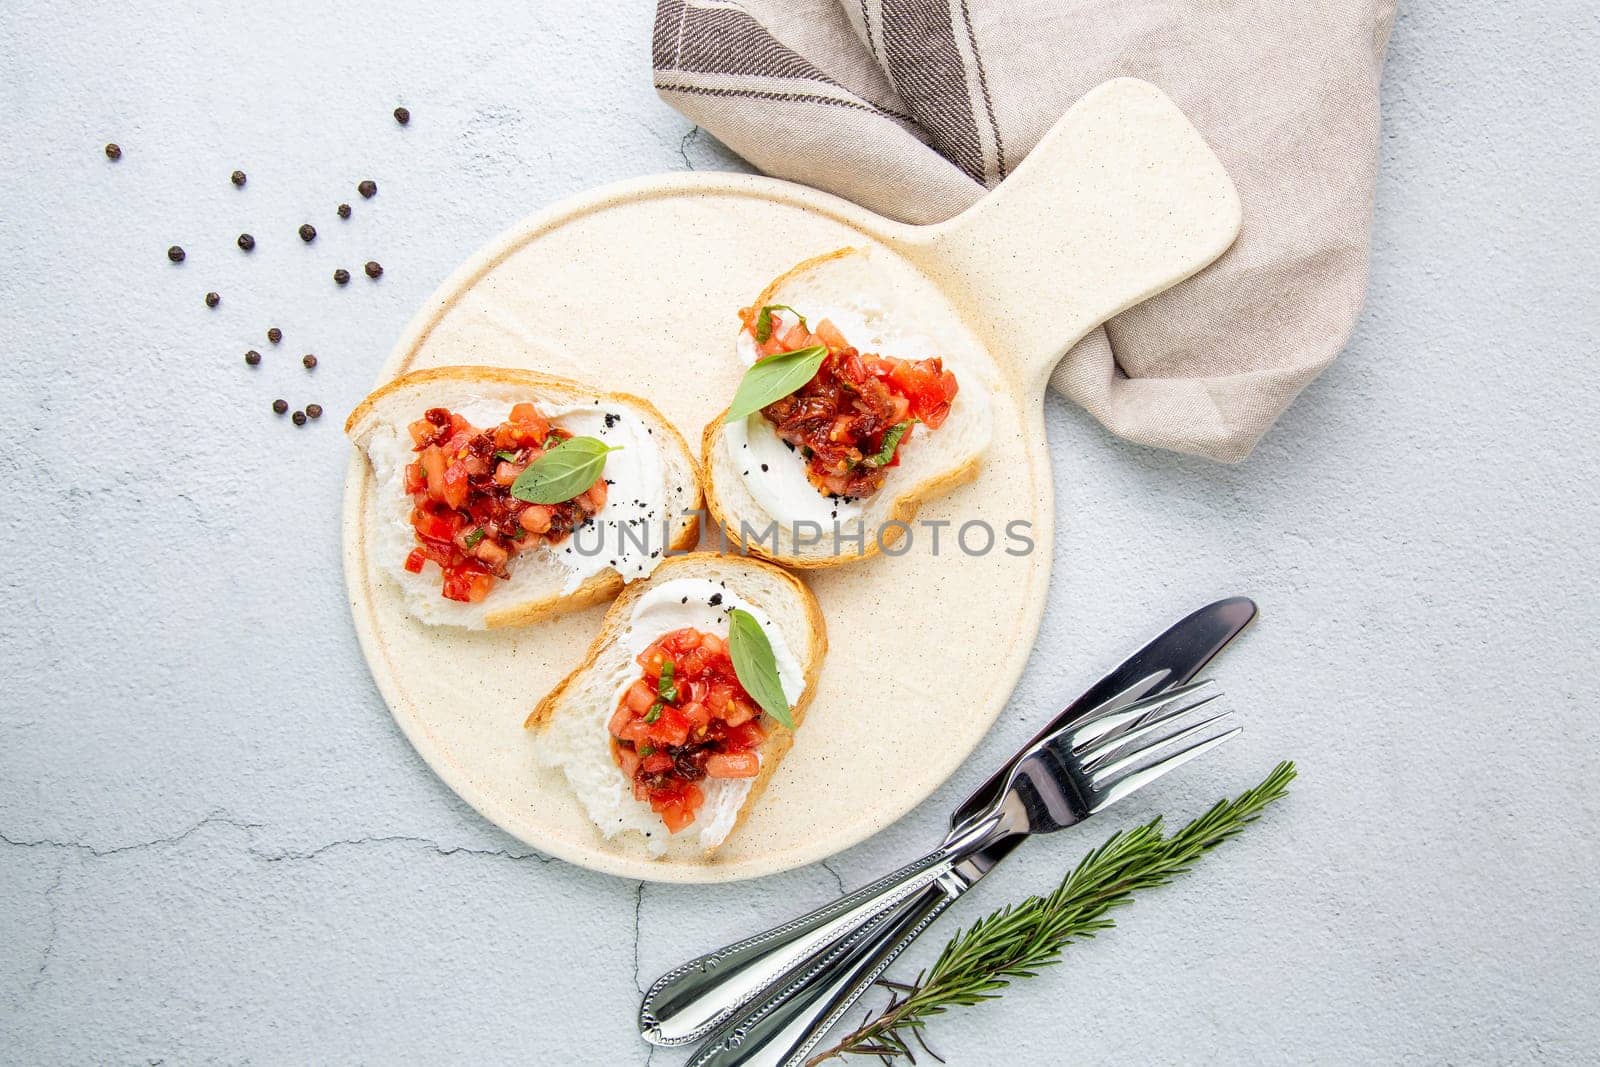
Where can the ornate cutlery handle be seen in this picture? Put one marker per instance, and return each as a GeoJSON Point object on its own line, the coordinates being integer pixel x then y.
{"type": "Point", "coordinates": [689, 1001]}
{"type": "Point", "coordinates": [784, 1030]}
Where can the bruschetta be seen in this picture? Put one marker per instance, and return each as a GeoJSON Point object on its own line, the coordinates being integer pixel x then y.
{"type": "Point", "coordinates": [502, 496]}
{"type": "Point", "coordinates": [863, 398]}
{"type": "Point", "coordinates": [687, 700]}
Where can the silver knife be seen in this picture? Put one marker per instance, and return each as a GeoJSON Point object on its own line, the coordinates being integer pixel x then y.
{"type": "Point", "coordinates": [690, 1001]}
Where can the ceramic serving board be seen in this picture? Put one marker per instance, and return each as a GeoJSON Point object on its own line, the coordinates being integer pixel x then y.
{"type": "Point", "coordinates": [635, 288]}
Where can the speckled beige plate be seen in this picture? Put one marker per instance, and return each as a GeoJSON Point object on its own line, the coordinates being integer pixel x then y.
{"type": "Point", "coordinates": [634, 287]}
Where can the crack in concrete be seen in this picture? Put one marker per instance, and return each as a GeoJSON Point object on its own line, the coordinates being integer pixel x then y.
{"type": "Point", "coordinates": [82, 848]}
{"type": "Point", "coordinates": [684, 143]}
{"type": "Point", "coordinates": [224, 819]}
{"type": "Point", "coordinates": [638, 984]}
{"type": "Point", "coordinates": [638, 906]}
{"type": "Point", "coordinates": [837, 877]}
{"type": "Point", "coordinates": [51, 930]}
{"type": "Point", "coordinates": [355, 842]}
{"type": "Point", "coordinates": [218, 817]}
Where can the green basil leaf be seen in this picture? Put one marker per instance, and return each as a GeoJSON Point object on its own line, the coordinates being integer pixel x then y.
{"type": "Point", "coordinates": [654, 713]}
{"type": "Point", "coordinates": [764, 321]}
{"type": "Point", "coordinates": [891, 441]}
{"type": "Point", "coordinates": [665, 688]}
{"type": "Point", "coordinates": [478, 534]}
{"type": "Point", "coordinates": [647, 750]}
{"type": "Point", "coordinates": [563, 472]}
{"type": "Point", "coordinates": [509, 457]}
{"type": "Point", "coordinates": [774, 378]}
{"type": "Point", "coordinates": [755, 666]}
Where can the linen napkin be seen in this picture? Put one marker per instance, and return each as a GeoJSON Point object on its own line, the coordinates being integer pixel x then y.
{"type": "Point", "coordinates": [914, 108]}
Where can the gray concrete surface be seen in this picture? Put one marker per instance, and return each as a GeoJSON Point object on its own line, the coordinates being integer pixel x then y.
{"type": "Point", "coordinates": [216, 847]}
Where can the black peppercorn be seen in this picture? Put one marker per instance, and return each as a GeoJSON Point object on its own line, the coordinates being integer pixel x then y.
{"type": "Point", "coordinates": [314, 410]}
{"type": "Point", "coordinates": [274, 334]}
{"type": "Point", "coordinates": [374, 269]}
{"type": "Point", "coordinates": [368, 189]}
{"type": "Point", "coordinates": [344, 211]}
{"type": "Point", "coordinates": [308, 232]}
{"type": "Point", "coordinates": [175, 254]}
{"type": "Point", "coordinates": [252, 357]}
{"type": "Point", "coordinates": [341, 276]}
{"type": "Point", "coordinates": [213, 299]}
{"type": "Point", "coordinates": [309, 360]}
{"type": "Point", "coordinates": [237, 178]}
{"type": "Point", "coordinates": [114, 150]}
{"type": "Point", "coordinates": [246, 242]}
{"type": "Point", "coordinates": [280, 406]}
{"type": "Point", "coordinates": [299, 418]}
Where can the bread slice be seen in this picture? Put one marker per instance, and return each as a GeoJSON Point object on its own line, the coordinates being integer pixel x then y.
{"type": "Point", "coordinates": [882, 307]}
{"type": "Point", "coordinates": [572, 721]}
{"type": "Point", "coordinates": [656, 477]}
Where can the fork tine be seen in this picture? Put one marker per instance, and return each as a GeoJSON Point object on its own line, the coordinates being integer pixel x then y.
{"type": "Point", "coordinates": [1113, 725]}
{"type": "Point", "coordinates": [1173, 735]}
{"type": "Point", "coordinates": [1164, 723]}
{"type": "Point", "coordinates": [1134, 781]}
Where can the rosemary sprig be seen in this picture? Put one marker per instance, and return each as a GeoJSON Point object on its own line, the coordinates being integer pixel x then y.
{"type": "Point", "coordinates": [1017, 940]}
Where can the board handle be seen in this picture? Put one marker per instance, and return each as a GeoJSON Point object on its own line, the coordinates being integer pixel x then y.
{"type": "Point", "coordinates": [1121, 199]}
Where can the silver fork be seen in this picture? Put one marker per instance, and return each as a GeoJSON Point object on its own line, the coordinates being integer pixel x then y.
{"type": "Point", "coordinates": [1057, 781]}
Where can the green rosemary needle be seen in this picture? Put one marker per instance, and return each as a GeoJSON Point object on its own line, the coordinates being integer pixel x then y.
{"type": "Point", "coordinates": [1015, 941]}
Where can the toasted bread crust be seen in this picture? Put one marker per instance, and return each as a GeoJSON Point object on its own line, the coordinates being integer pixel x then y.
{"type": "Point", "coordinates": [596, 588]}
{"type": "Point", "coordinates": [770, 293]}
{"type": "Point", "coordinates": [692, 564]}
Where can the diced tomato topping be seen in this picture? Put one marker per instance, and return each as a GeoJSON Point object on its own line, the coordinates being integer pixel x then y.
{"type": "Point", "coordinates": [464, 515]}
{"type": "Point", "coordinates": [639, 698]}
{"type": "Point", "coordinates": [678, 814]}
{"type": "Point", "coordinates": [740, 710]}
{"type": "Point", "coordinates": [620, 718]}
{"type": "Point", "coordinates": [435, 525]}
{"type": "Point", "coordinates": [850, 421]}
{"type": "Point", "coordinates": [627, 759]}
{"type": "Point", "coordinates": [594, 498]}
{"type": "Point", "coordinates": [651, 660]}
{"type": "Point", "coordinates": [694, 662]}
{"type": "Point", "coordinates": [433, 465]}
{"type": "Point", "coordinates": [670, 727]}
{"type": "Point", "coordinates": [746, 735]}
{"type": "Point", "coordinates": [733, 765]}
{"type": "Point", "coordinates": [537, 518]}
{"type": "Point", "coordinates": [684, 719]}
{"type": "Point", "coordinates": [681, 640]}
{"type": "Point", "coordinates": [466, 584]}
{"type": "Point", "coordinates": [491, 553]}
{"type": "Point", "coordinates": [828, 334]}
{"type": "Point", "coordinates": [456, 486]}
